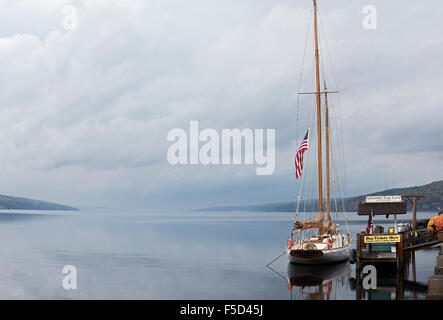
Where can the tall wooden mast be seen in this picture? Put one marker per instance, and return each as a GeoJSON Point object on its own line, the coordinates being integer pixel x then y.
{"type": "Point", "coordinates": [328, 183]}
{"type": "Point", "coordinates": [320, 222]}
{"type": "Point", "coordinates": [317, 71]}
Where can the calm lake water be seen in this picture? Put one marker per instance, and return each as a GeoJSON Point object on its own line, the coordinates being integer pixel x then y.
{"type": "Point", "coordinates": [168, 256]}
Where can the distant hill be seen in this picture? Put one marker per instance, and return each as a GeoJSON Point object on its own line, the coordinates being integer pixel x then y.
{"type": "Point", "coordinates": [433, 196]}
{"type": "Point", "coordinates": [15, 203]}
{"type": "Point", "coordinates": [433, 199]}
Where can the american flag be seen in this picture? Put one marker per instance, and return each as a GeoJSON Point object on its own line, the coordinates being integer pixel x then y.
{"type": "Point", "coordinates": [370, 225]}
{"type": "Point", "coordinates": [299, 156]}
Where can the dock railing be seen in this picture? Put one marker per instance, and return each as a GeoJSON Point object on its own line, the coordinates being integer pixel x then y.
{"type": "Point", "coordinates": [418, 238]}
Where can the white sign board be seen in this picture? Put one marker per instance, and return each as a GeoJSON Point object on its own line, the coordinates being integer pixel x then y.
{"type": "Point", "coordinates": [373, 199]}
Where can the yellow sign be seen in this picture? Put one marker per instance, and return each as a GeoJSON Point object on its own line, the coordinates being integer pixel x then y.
{"type": "Point", "coordinates": [382, 238]}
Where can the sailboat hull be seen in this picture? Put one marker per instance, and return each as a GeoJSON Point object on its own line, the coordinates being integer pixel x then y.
{"type": "Point", "coordinates": [317, 257]}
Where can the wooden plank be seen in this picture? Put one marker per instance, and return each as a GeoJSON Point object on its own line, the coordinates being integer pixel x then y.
{"type": "Point", "coordinates": [422, 245]}
{"type": "Point", "coordinates": [378, 256]}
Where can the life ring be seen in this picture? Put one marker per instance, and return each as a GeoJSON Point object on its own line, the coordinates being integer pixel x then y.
{"type": "Point", "coordinates": [289, 244]}
{"type": "Point", "coordinates": [329, 243]}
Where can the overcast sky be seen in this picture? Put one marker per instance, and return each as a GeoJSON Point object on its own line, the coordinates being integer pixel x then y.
{"type": "Point", "coordinates": [84, 113]}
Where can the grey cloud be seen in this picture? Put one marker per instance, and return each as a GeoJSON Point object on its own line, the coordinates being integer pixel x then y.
{"type": "Point", "coordinates": [89, 109]}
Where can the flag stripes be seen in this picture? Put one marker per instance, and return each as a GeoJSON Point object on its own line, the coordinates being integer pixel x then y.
{"type": "Point", "coordinates": [299, 156]}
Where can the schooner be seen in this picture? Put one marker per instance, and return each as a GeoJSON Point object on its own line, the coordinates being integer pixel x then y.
{"type": "Point", "coordinates": [329, 244]}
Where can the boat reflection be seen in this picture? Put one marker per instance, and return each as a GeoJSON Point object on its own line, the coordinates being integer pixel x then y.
{"type": "Point", "coordinates": [318, 282]}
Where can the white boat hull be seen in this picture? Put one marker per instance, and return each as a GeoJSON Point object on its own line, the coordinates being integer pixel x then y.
{"type": "Point", "coordinates": [316, 257]}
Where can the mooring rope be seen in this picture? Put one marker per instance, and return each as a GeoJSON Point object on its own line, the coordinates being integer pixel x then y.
{"type": "Point", "coordinates": [277, 258]}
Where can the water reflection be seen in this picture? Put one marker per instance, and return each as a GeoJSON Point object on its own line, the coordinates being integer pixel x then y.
{"type": "Point", "coordinates": [167, 256]}
{"type": "Point", "coordinates": [342, 281]}
{"type": "Point", "coordinates": [318, 282]}
{"type": "Point", "coordinates": [391, 284]}
{"type": "Point", "coordinates": [17, 217]}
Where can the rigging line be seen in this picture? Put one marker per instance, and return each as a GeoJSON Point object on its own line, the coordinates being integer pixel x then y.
{"type": "Point", "coordinates": [340, 140]}
{"type": "Point", "coordinates": [339, 127]}
{"type": "Point", "coordinates": [343, 160]}
{"type": "Point", "coordinates": [336, 154]}
{"type": "Point", "coordinates": [328, 52]}
{"type": "Point", "coordinates": [340, 135]}
{"type": "Point", "coordinates": [335, 194]}
{"type": "Point", "coordinates": [312, 168]}
{"type": "Point", "coordinates": [309, 125]}
{"type": "Point", "coordinates": [322, 65]}
{"type": "Point", "coordinates": [313, 176]}
{"type": "Point", "coordinates": [303, 183]}
{"type": "Point", "coordinates": [310, 121]}
{"type": "Point", "coordinates": [320, 40]}
{"type": "Point", "coordinates": [333, 177]}
{"type": "Point", "coordinates": [310, 118]}
{"type": "Point", "coordinates": [342, 187]}
{"type": "Point", "coordinates": [337, 146]}
{"type": "Point", "coordinates": [301, 73]}
{"type": "Point", "coordinates": [309, 104]}
{"type": "Point", "coordinates": [337, 175]}
{"type": "Point", "coordinates": [277, 258]}
{"type": "Point", "coordinates": [299, 194]}
{"type": "Point", "coordinates": [340, 155]}
{"type": "Point", "coordinates": [297, 199]}
{"type": "Point", "coordinates": [308, 182]}
{"type": "Point", "coordinates": [343, 200]}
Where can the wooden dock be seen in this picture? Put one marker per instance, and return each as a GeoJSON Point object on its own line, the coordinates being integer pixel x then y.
{"type": "Point", "coordinates": [376, 247]}
{"type": "Point", "coordinates": [393, 269]}
{"type": "Point", "coordinates": [394, 252]}
{"type": "Point", "coordinates": [392, 284]}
